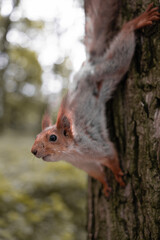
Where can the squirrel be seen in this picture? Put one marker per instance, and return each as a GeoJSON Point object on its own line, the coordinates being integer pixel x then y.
{"type": "Point", "coordinates": [80, 134]}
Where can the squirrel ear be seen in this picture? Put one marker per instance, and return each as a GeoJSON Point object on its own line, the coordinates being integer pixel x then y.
{"type": "Point", "coordinates": [46, 121]}
{"type": "Point", "coordinates": [64, 123]}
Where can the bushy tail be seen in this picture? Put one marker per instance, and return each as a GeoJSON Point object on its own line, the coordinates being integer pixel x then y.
{"type": "Point", "coordinates": [100, 22]}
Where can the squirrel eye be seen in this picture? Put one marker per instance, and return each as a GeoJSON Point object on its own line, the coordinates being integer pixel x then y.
{"type": "Point", "coordinates": [53, 138]}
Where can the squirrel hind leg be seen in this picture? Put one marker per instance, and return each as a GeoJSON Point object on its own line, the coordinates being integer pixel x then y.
{"type": "Point", "coordinates": [119, 179]}
{"type": "Point", "coordinates": [97, 171]}
{"type": "Point", "coordinates": [113, 164]}
{"type": "Point", "coordinates": [106, 189]}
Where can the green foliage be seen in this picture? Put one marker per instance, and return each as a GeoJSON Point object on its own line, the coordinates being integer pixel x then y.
{"type": "Point", "coordinates": [32, 24]}
{"type": "Point", "coordinates": [23, 98]}
{"type": "Point", "coordinates": [21, 102]}
{"type": "Point", "coordinates": [38, 200]}
{"type": "Point", "coordinates": [24, 65]}
{"type": "Point", "coordinates": [23, 113]}
{"type": "Point", "coordinates": [63, 69]}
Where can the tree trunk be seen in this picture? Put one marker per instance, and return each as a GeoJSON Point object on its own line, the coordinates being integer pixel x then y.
{"type": "Point", "coordinates": [133, 118]}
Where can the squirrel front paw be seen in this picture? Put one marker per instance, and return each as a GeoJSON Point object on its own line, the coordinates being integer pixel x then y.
{"type": "Point", "coordinates": [151, 14]}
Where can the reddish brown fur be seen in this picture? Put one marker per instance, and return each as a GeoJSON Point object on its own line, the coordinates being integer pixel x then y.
{"type": "Point", "coordinates": [46, 148]}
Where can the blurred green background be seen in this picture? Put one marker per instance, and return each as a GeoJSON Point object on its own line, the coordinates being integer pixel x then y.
{"type": "Point", "coordinates": [38, 200]}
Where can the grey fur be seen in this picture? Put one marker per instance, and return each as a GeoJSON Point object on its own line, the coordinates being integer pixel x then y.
{"type": "Point", "coordinates": [88, 110]}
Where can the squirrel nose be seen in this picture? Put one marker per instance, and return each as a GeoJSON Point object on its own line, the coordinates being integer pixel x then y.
{"type": "Point", "coordinates": [34, 151]}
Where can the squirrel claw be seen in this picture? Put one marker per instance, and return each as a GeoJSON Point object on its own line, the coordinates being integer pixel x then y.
{"type": "Point", "coordinates": [151, 14]}
{"type": "Point", "coordinates": [119, 179]}
{"type": "Point", "coordinates": [149, 7]}
{"type": "Point", "coordinates": [121, 182]}
{"type": "Point", "coordinates": [106, 191]}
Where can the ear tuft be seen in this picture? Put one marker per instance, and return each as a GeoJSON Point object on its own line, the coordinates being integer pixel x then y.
{"type": "Point", "coordinates": [46, 121]}
{"type": "Point", "coordinates": [63, 119]}
{"type": "Point", "coordinates": [64, 124]}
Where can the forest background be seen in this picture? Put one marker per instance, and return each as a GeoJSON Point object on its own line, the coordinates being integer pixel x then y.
{"type": "Point", "coordinates": [40, 49]}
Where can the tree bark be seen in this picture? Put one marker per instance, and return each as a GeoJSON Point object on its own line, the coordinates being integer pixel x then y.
{"type": "Point", "coordinates": [133, 119]}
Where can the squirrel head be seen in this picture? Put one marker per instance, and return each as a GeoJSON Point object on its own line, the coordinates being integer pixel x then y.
{"type": "Point", "coordinates": [54, 140]}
